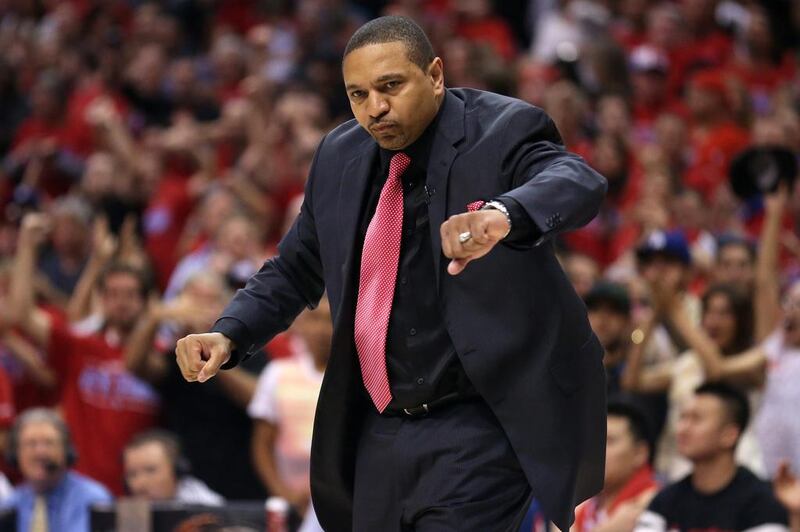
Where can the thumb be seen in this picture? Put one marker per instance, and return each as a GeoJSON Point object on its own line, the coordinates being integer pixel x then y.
{"type": "Point", "coordinates": [217, 357]}
{"type": "Point", "coordinates": [457, 266]}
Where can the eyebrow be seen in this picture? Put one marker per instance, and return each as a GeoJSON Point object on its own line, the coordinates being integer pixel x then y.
{"type": "Point", "coordinates": [380, 79]}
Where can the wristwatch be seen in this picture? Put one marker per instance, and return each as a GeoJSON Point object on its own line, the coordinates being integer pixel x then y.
{"type": "Point", "coordinates": [499, 206]}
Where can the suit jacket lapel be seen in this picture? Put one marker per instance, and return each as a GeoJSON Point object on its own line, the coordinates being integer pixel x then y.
{"type": "Point", "coordinates": [352, 188]}
{"type": "Point", "coordinates": [449, 132]}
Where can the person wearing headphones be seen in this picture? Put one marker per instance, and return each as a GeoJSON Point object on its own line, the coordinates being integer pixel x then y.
{"type": "Point", "coordinates": [156, 470]}
{"type": "Point", "coordinates": [53, 496]}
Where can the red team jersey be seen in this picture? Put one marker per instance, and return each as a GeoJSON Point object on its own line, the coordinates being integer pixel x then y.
{"type": "Point", "coordinates": [104, 405]}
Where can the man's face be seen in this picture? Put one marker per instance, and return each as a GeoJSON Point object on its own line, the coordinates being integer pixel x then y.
{"type": "Point", "coordinates": [608, 324]}
{"type": "Point", "coordinates": [624, 455]}
{"type": "Point", "coordinates": [40, 446]}
{"type": "Point", "coordinates": [703, 429]}
{"type": "Point", "coordinates": [660, 268]}
{"type": "Point", "coordinates": [122, 300]}
{"type": "Point", "coordinates": [719, 321]}
{"type": "Point", "coordinates": [149, 472]}
{"type": "Point", "coordinates": [391, 97]}
{"type": "Point", "coordinates": [735, 266]}
{"type": "Point", "coordinates": [582, 272]}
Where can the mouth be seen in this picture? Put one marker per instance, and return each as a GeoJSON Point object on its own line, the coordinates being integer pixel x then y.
{"type": "Point", "coordinates": [382, 128]}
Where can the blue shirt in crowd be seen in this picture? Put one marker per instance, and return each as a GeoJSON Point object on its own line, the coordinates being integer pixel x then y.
{"type": "Point", "coordinates": [67, 504]}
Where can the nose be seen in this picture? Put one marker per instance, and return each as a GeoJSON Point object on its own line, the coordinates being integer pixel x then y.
{"type": "Point", "coordinates": [377, 106]}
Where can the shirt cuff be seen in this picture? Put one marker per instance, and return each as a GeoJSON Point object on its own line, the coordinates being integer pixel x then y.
{"type": "Point", "coordinates": [237, 332]}
{"type": "Point", "coordinates": [523, 228]}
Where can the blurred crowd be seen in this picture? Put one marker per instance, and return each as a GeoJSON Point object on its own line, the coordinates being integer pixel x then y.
{"type": "Point", "coordinates": [153, 153]}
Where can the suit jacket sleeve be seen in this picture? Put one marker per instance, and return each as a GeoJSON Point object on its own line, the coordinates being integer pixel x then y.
{"type": "Point", "coordinates": [557, 189]}
{"type": "Point", "coordinates": [278, 292]}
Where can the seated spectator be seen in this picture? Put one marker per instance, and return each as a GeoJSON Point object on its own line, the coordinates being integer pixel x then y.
{"type": "Point", "coordinates": [283, 409]}
{"type": "Point", "coordinates": [721, 350]}
{"type": "Point", "coordinates": [609, 315]}
{"type": "Point", "coordinates": [714, 137]}
{"type": "Point", "coordinates": [232, 254]}
{"type": "Point", "coordinates": [156, 470]}
{"type": "Point", "coordinates": [629, 481]}
{"type": "Point", "coordinates": [718, 494]}
{"type": "Point", "coordinates": [582, 271]}
{"type": "Point", "coordinates": [736, 263]}
{"type": "Point", "coordinates": [64, 259]}
{"type": "Point", "coordinates": [53, 496]}
{"type": "Point", "coordinates": [216, 455]}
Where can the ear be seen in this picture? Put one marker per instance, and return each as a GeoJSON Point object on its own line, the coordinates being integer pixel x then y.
{"type": "Point", "coordinates": [729, 436]}
{"type": "Point", "coordinates": [436, 75]}
{"type": "Point", "coordinates": [641, 455]}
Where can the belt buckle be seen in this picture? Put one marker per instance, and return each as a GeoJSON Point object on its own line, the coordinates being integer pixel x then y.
{"type": "Point", "coordinates": [414, 412]}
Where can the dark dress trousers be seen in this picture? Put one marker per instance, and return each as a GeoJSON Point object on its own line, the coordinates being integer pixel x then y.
{"type": "Point", "coordinates": [519, 329]}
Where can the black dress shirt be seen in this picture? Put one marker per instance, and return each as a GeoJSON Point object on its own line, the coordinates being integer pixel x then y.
{"type": "Point", "coordinates": [420, 358]}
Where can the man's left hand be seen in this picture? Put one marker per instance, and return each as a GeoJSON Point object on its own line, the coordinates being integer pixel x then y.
{"type": "Point", "coordinates": [486, 228]}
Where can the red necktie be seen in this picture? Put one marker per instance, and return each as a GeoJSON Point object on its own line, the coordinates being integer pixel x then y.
{"type": "Point", "coordinates": [379, 260]}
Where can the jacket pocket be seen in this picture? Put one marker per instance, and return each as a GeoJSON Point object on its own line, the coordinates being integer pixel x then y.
{"type": "Point", "coordinates": [570, 369]}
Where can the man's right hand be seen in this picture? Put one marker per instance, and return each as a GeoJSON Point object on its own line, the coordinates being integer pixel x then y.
{"type": "Point", "coordinates": [201, 355]}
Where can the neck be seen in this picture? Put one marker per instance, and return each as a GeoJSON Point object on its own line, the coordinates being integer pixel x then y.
{"type": "Point", "coordinates": [44, 487]}
{"type": "Point", "coordinates": [609, 495]}
{"type": "Point", "coordinates": [320, 363]}
{"type": "Point", "coordinates": [713, 474]}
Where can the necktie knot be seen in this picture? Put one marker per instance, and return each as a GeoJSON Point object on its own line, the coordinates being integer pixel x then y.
{"type": "Point", "coordinates": [398, 164]}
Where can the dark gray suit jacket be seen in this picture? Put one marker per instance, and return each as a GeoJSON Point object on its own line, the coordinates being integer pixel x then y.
{"type": "Point", "coordinates": [519, 328]}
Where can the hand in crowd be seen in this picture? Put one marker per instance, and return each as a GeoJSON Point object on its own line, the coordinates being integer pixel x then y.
{"type": "Point", "coordinates": [104, 244]}
{"type": "Point", "coordinates": [188, 313]}
{"type": "Point", "coordinates": [775, 203]}
{"type": "Point", "coordinates": [101, 112]}
{"type": "Point", "coordinates": [34, 231]}
{"type": "Point", "coordinates": [666, 293]}
{"type": "Point", "coordinates": [787, 488]}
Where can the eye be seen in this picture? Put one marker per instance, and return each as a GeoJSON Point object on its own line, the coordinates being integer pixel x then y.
{"type": "Point", "coordinates": [356, 95]}
{"type": "Point", "coordinates": [392, 84]}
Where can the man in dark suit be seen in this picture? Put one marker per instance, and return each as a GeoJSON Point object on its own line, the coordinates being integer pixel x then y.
{"type": "Point", "coordinates": [455, 389]}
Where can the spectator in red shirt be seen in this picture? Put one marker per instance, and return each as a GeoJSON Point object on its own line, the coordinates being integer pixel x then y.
{"type": "Point", "coordinates": [759, 62]}
{"type": "Point", "coordinates": [41, 139]}
{"type": "Point", "coordinates": [103, 403]}
{"type": "Point", "coordinates": [715, 138]}
{"type": "Point", "coordinates": [477, 23]}
{"type": "Point", "coordinates": [649, 68]}
{"type": "Point", "coordinates": [704, 45]}
{"type": "Point", "coordinates": [630, 483]}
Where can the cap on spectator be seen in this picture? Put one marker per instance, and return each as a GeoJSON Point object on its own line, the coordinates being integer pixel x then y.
{"type": "Point", "coordinates": [646, 59]}
{"type": "Point", "coordinates": [671, 244]}
{"type": "Point", "coordinates": [610, 295]}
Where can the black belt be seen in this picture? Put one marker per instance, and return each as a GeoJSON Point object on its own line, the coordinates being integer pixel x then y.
{"type": "Point", "coordinates": [432, 406]}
